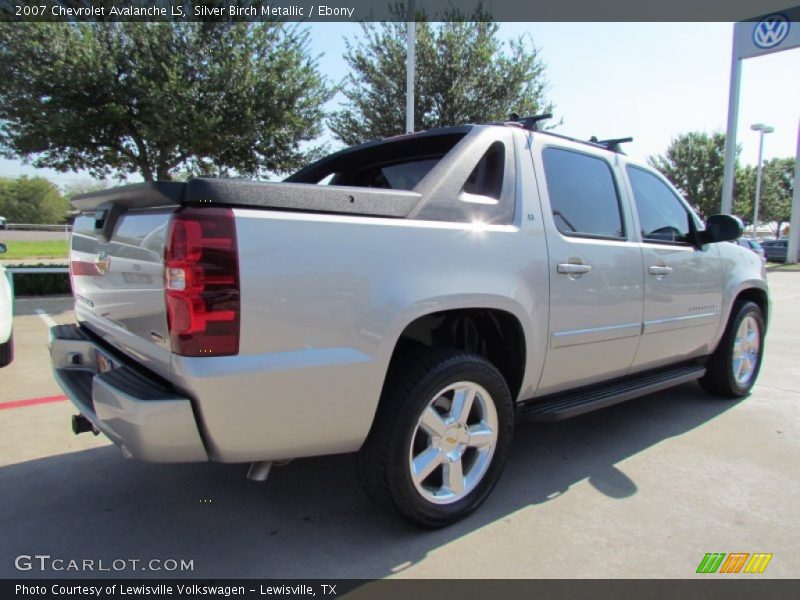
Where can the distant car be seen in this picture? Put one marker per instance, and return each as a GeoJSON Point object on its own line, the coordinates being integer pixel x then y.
{"type": "Point", "coordinates": [3, 221]}
{"type": "Point", "coordinates": [775, 250]}
{"type": "Point", "coordinates": [6, 314]}
{"type": "Point", "coordinates": [754, 246]}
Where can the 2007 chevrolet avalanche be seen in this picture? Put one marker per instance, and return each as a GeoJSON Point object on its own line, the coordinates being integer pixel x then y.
{"type": "Point", "coordinates": [403, 299]}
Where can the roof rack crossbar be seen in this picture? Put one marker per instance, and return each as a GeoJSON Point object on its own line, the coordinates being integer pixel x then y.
{"type": "Point", "coordinates": [612, 144]}
{"type": "Point", "coordinates": [530, 123]}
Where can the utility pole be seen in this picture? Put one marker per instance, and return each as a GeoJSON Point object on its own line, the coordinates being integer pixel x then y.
{"type": "Point", "coordinates": [794, 226]}
{"type": "Point", "coordinates": [762, 130]}
{"type": "Point", "coordinates": [411, 42]}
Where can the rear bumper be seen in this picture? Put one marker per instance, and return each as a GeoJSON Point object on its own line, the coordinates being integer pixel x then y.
{"type": "Point", "coordinates": [140, 415]}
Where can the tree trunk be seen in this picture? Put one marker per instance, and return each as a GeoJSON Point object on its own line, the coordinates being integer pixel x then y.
{"type": "Point", "coordinates": [146, 171]}
{"type": "Point", "coordinates": [163, 174]}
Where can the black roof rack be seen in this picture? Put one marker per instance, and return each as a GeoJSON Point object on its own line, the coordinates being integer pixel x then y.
{"type": "Point", "coordinates": [530, 123]}
{"type": "Point", "coordinates": [612, 144]}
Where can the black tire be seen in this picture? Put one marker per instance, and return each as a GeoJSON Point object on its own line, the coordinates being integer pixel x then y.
{"type": "Point", "coordinates": [414, 381]}
{"type": "Point", "coordinates": [720, 378]}
{"type": "Point", "coordinates": [7, 351]}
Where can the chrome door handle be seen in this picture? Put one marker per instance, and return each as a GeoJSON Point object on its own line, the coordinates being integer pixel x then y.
{"type": "Point", "coordinates": [658, 270]}
{"type": "Point", "coordinates": [573, 269]}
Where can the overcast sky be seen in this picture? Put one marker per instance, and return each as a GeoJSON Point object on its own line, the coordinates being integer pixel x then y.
{"type": "Point", "coordinates": [651, 81]}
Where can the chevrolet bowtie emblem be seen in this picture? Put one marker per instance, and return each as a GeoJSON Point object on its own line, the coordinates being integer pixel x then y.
{"type": "Point", "coordinates": [102, 263]}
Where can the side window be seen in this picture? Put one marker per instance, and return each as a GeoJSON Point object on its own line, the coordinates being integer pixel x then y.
{"type": "Point", "coordinates": [486, 178]}
{"type": "Point", "coordinates": [662, 216]}
{"type": "Point", "coordinates": [583, 196]}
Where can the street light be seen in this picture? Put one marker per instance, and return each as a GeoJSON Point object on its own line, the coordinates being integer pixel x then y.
{"type": "Point", "coordinates": [762, 130]}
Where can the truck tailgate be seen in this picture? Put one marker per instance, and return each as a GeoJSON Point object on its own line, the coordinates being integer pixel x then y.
{"type": "Point", "coordinates": [118, 283]}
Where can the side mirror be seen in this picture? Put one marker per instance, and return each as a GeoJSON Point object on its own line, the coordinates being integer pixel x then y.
{"type": "Point", "coordinates": [722, 228]}
{"type": "Point", "coordinates": [3, 248]}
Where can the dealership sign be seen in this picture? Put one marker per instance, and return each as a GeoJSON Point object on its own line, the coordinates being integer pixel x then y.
{"type": "Point", "coordinates": [772, 33]}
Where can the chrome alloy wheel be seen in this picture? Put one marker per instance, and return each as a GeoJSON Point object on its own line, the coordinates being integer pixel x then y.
{"type": "Point", "coordinates": [746, 348]}
{"type": "Point", "coordinates": [453, 443]}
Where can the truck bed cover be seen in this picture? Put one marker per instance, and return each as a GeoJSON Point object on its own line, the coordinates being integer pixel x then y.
{"type": "Point", "coordinates": [239, 192]}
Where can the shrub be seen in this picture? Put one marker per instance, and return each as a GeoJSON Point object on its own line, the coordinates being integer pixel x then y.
{"type": "Point", "coordinates": [41, 284]}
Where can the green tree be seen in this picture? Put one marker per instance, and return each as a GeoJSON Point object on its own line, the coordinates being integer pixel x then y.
{"type": "Point", "coordinates": [695, 162]}
{"type": "Point", "coordinates": [32, 200]}
{"type": "Point", "coordinates": [84, 187]}
{"type": "Point", "coordinates": [777, 186]}
{"type": "Point", "coordinates": [744, 192]}
{"type": "Point", "coordinates": [464, 74]}
{"type": "Point", "coordinates": [154, 98]}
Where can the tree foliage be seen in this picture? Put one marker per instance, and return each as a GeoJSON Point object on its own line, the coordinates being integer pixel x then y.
{"type": "Point", "coordinates": [464, 74]}
{"type": "Point", "coordinates": [777, 186]}
{"type": "Point", "coordinates": [31, 200]}
{"type": "Point", "coordinates": [154, 98]}
{"type": "Point", "coordinates": [85, 187]}
{"type": "Point", "coordinates": [695, 163]}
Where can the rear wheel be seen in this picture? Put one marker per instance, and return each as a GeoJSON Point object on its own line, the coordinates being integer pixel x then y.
{"type": "Point", "coordinates": [733, 368]}
{"type": "Point", "coordinates": [440, 438]}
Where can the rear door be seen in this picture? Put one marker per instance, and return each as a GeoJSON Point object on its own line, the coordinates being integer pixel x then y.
{"type": "Point", "coordinates": [683, 283]}
{"type": "Point", "coordinates": [595, 269]}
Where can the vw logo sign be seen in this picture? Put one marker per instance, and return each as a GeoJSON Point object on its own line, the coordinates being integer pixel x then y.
{"type": "Point", "coordinates": [770, 31]}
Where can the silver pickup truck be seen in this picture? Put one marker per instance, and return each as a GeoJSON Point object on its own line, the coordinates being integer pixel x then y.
{"type": "Point", "coordinates": [405, 299]}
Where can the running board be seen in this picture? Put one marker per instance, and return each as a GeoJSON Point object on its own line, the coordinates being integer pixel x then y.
{"type": "Point", "coordinates": [564, 405]}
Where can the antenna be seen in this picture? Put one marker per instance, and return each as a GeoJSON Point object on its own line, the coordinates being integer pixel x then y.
{"type": "Point", "coordinates": [612, 145]}
{"type": "Point", "coordinates": [530, 123]}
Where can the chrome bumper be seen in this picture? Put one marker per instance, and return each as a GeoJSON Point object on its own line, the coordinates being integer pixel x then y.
{"type": "Point", "coordinates": [144, 418]}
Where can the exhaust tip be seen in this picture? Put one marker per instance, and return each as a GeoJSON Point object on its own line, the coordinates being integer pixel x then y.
{"type": "Point", "coordinates": [259, 471]}
{"type": "Point", "coordinates": [81, 424]}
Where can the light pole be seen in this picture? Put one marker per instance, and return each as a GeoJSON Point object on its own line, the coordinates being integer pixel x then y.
{"type": "Point", "coordinates": [762, 130]}
{"type": "Point", "coordinates": [411, 42]}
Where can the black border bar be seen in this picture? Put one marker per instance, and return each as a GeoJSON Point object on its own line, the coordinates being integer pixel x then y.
{"type": "Point", "coordinates": [387, 10]}
{"type": "Point", "coordinates": [711, 587]}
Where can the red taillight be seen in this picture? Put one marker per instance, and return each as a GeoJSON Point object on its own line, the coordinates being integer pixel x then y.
{"type": "Point", "coordinates": [201, 279]}
{"type": "Point", "coordinates": [81, 267]}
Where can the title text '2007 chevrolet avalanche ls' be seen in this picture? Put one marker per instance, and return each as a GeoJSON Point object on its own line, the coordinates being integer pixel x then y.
{"type": "Point", "coordinates": [404, 299]}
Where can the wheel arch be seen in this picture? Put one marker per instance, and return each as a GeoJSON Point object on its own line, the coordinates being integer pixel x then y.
{"type": "Point", "coordinates": [756, 295]}
{"type": "Point", "coordinates": [493, 333]}
{"type": "Point", "coordinates": [754, 291]}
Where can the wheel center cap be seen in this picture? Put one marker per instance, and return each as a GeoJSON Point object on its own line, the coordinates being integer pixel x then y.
{"type": "Point", "coordinates": [454, 440]}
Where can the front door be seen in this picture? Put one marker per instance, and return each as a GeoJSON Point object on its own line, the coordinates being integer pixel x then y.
{"type": "Point", "coordinates": [683, 283]}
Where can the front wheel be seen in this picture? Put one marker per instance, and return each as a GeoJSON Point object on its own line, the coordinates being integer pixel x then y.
{"type": "Point", "coordinates": [440, 438]}
{"type": "Point", "coordinates": [733, 368]}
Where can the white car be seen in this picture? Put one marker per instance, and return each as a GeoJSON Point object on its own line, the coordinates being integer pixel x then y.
{"type": "Point", "coordinates": [6, 314]}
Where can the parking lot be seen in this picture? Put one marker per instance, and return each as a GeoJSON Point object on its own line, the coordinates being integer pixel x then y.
{"type": "Point", "coordinates": [642, 489]}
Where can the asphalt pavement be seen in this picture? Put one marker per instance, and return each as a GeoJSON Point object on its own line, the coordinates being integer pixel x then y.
{"type": "Point", "coordinates": [642, 489]}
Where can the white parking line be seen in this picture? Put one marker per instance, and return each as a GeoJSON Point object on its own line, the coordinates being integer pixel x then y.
{"type": "Point", "coordinates": [45, 317]}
